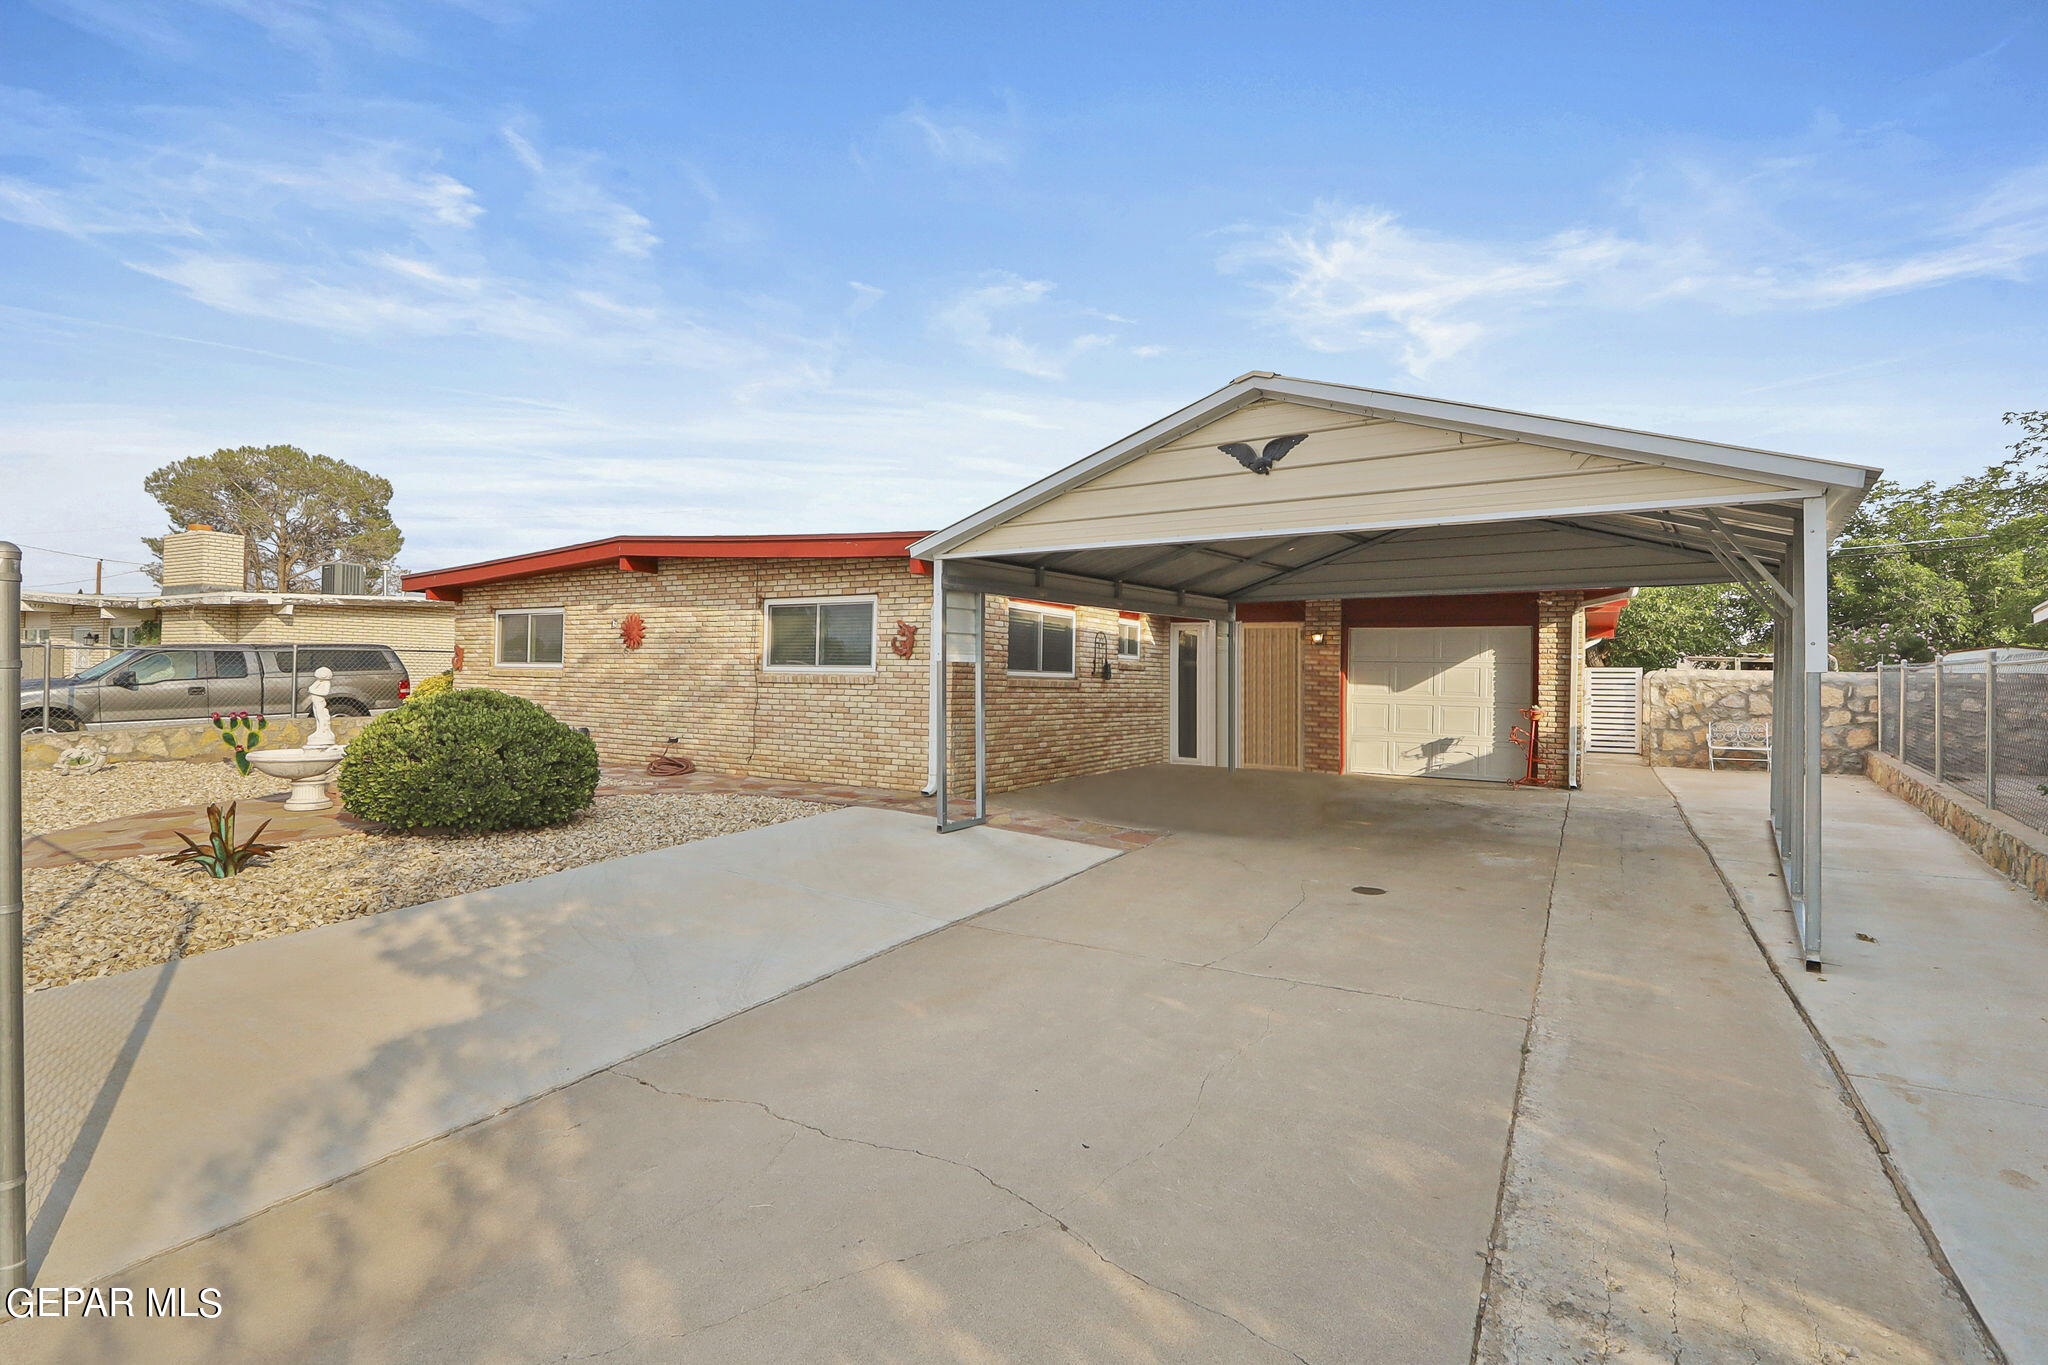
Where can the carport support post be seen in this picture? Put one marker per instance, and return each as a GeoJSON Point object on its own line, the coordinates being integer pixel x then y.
{"type": "Point", "coordinates": [941, 737]}
{"type": "Point", "coordinates": [13, 1096]}
{"type": "Point", "coordinates": [1813, 646]}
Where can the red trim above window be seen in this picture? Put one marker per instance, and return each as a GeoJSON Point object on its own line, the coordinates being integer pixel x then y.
{"type": "Point", "coordinates": [637, 554]}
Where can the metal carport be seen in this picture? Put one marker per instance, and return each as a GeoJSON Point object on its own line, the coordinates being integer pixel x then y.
{"type": "Point", "coordinates": [1396, 495]}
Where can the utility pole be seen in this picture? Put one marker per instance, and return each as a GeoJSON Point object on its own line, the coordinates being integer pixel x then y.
{"type": "Point", "coordinates": [13, 1095]}
{"type": "Point", "coordinates": [99, 569]}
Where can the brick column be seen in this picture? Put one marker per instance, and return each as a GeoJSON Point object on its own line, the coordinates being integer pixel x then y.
{"type": "Point", "coordinates": [1322, 687]}
{"type": "Point", "coordinates": [1557, 616]}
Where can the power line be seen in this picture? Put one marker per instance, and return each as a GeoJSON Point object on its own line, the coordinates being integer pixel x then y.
{"type": "Point", "coordinates": [1905, 544]}
{"type": "Point", "coordinates": [105, 559]}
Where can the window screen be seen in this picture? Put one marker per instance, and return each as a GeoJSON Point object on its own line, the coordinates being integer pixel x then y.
{"type": "Point", "coordinates": [837, 634]}
{"type": "Point", "coordinates": [1041, 642]}
{"type": "Point", "coordinates": [524, 637]}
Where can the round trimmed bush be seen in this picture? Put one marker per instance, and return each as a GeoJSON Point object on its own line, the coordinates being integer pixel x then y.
{"type": "Point", "coordinates": [468, 759]}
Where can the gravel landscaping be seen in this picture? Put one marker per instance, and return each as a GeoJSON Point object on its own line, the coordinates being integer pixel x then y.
{"type": "Point", "coordinates": [50, 802]}
{"type": "Point", "coordinates": [85, 921]}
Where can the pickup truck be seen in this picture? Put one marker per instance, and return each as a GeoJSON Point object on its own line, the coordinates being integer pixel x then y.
{"type": "Point", "coordinates": [192, 682]}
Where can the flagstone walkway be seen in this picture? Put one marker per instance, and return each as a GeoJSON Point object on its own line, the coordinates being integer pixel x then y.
{"type": "Point", "coordinates": [156, 832]}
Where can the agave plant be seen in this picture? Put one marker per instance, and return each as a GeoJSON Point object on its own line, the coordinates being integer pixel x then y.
{"type": "Point", "coordinates": [221, 856]}
{"type": "Point", "coordinates": [241, 733]}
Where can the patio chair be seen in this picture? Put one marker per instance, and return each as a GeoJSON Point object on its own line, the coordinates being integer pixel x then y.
{"type": "Point", "coordinates": [1738, 739]}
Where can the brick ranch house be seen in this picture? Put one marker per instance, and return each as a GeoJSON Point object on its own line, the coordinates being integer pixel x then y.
{"type": "Point", "coordinates": [809, 657]}
{"type": "Point", "coordinates": [1283, 575]}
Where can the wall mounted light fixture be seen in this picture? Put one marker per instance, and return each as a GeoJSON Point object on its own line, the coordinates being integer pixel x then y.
{"type": "Point", "coordinates": [1315, 637]}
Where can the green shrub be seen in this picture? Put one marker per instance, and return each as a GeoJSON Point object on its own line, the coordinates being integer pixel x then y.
{"type": "Point", "coordinates": [443, 681]}
{"type": "Point", "coordinates": [469, 759]}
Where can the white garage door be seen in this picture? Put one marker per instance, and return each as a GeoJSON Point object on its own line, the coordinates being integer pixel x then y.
{"type": "Point", "coordinates": [1437, 701]}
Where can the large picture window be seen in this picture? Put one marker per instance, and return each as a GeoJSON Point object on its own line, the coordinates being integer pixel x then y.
{"type": "Point", "coordinates": [1041, 641]}
{"type": "Point", "coordinates": [822, 634]}
{"type": "Point", "coordinates": [528, 639]}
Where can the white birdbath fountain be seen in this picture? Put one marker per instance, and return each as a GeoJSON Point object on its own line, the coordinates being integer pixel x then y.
{"type": "Point", "coordinates": [308, 765]}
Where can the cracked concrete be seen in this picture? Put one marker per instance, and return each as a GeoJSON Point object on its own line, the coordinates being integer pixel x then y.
{"type": "Point", "coordinates": [1200, 1103]}
{"type": "Point", "coordinates": [1932, 1004]}
{"type": "Point", "coordinates": [1688, 1182]}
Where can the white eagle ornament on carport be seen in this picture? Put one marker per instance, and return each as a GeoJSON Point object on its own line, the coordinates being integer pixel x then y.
{"type": "Point", "coordinates": [1262, 461]}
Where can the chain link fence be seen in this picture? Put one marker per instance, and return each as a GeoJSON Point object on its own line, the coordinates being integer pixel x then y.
{"type": "Point", "coordinates": [1976, 721]}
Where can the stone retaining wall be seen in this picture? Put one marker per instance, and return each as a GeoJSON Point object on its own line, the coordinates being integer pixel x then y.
{"type": "Point", "coordinates": [1679, 702]}
{"type": "Point", "coordinates": [2020, 853]}
{"type": "Point", "coordinates": [190, 741]}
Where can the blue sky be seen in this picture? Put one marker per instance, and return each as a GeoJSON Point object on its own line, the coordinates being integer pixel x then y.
{"type": "Point", "coordinates": [562, 271]}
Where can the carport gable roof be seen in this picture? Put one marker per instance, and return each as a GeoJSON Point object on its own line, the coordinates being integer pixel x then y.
{"type": "Point", "coordinates": [1392, 493]}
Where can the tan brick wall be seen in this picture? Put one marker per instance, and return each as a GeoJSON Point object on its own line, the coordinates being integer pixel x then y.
{"type": "Point", "coordinates": [1045, 729]}
{"type": "Point", "coordinates": [204, 559]}
{"type": "Point", "coordinates": [698, 676]}
{"type": "Point", "coordinates": [423, 633]}
{"type": "Point", "coordinates": [1560, 661]}
{"type": "Point", "coordinates": [1322, 686]}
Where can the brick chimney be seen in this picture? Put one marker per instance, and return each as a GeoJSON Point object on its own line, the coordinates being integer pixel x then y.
{"type": "Point", "coordinates": [201, 559]}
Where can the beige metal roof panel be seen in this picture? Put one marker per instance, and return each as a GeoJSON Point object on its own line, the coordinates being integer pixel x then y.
{"type": "Point", "coordinates": [1366, 484]}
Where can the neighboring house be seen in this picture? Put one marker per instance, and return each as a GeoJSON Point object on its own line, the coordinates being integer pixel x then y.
{"type": "Point", "coordinates": [2041, 614]}
{"type": "Point", "coordinates": [202, 600]}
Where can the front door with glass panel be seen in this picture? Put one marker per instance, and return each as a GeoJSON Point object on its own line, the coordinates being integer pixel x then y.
{"type": "Point", "coordinates": [1191, 718]}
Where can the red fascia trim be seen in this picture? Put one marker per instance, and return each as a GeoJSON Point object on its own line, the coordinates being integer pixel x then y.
{"type": "Point", "coordinates": [1472, 609]}
{"type": "Point", "coordinates": [1272, 611]}
{"type": "Point", "coordinates": [1030, 602]}
{"type": "Point", "coordinates": [1604, 619]}
{"type": "Point", "coordinates": [614, 550]}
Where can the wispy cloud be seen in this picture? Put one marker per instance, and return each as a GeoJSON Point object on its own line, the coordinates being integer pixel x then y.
{"type": "Point", "coordinates": [566, 185]}
{"type": "Point", "coordinates": [1350, 277]}
{"type": "Point", "coordinates": [987, 319]}
{"type": "Point", "coordinates": [319, 29]}
{"type": "Point", "coordinates": [956, 140]}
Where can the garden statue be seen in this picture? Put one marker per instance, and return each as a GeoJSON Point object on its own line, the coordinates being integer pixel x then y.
{"type": "Point", "coordinates": [316, 693]}
{"type": "Point", "coordinates": [80, 759]}
{"type": "Point", "coordinates": [308, 766]}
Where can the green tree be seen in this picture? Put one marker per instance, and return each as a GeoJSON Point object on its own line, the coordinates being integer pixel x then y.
{"type": "Point", "coordinates": [1921, 568]}
{"type": "Point", "coordinates": [296, 510]}
{"type": "Point", "coordinates": [1924, 568]}
{"type": "Point", "coordinates": [1661, 625]}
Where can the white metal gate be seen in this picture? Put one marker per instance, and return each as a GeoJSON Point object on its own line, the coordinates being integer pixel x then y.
{"type": "Point", "coordinates": [1614, 710]}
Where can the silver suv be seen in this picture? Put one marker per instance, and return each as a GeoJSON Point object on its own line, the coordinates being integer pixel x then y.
{"type": "Point", "coordinates": [191, 682]}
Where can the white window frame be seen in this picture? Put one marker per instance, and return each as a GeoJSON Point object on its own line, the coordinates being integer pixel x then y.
{"type": "Point", "coordinates": [874, 604]}
{"type": "Point", "coordinates": [498, 635]}
{"type": "Point", "coordinates": [1136, 625]}
{"type": "Point", "coordinates": [1073, 626]}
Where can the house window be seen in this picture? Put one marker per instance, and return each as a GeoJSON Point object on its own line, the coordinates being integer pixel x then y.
{"type": "Point", "coordinates": [1041, 641]}
{"type": "Point", "coordinates": [529, 639]}
{"type": "Point", "coordinates": [1130, 635]}
{"type": "Point", "coordinates": [820, 634]}
{"type": "Point", "coordinates": [121, 637]}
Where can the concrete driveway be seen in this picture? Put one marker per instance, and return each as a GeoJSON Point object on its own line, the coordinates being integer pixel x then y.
{"type": "Point", "coordinates": [1256, 1092]}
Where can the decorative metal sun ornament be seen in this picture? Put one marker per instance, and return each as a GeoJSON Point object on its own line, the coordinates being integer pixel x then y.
{"type": "Point", "coordinates": [1261, 461]}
